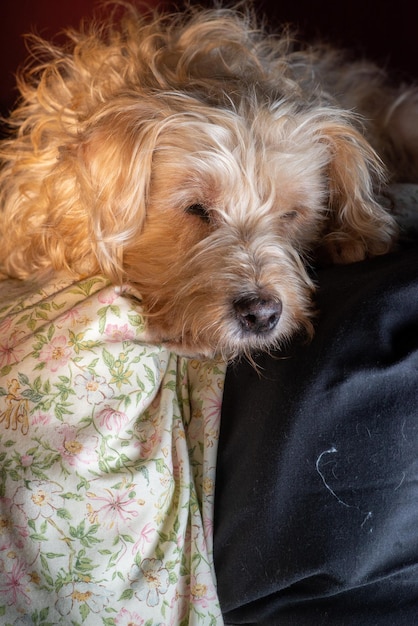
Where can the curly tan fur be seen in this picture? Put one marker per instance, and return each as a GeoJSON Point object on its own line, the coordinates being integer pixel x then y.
{"type": "Point", "coordinates": [200, 161]}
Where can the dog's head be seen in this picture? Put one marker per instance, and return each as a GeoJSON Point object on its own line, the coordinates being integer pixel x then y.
{"type": "Point", "coordinates": [211, 214]}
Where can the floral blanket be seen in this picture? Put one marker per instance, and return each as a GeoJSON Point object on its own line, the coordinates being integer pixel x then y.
{"type": "Point", "coordinates": [107, 464]}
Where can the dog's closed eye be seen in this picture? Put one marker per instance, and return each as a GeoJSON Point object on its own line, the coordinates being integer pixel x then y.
{"type": "Point", "coordinates": [289, 216]}
{"type": "Point", "coordinates": [200, 211]}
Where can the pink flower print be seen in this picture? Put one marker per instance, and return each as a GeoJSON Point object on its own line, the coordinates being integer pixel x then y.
{"type": "Point", "coordinates": [179, 609]}
{"type": "Point", "coordinates": [119, 333]}
{"type": "Point", "coordinates": [213, 408]}
{"type": "Point", "coordinates": [112, 419]}
{"type": "Point", "coordinates": [108, 296]}
{"type": "Point", "coordinates": [26, 460]}
{"type": "Point", "coordinates": [208, 528]}
{"type": "Point", "coordinates": [73, 317]}
{"type": "Point", "coordinates": [56, 353]}
{"type": "Point", "coordinates": [13, 585]}
{"type": "Point", "coordinates": [206, 423]}
{"type": "Point", "coordinates": [146, 536]}
{"type": "Point", "coordinates": [114, 507]}
{"type": "Point", "coordinates": [155, 580]}
{"type": "Point", "coordinates": [9, 352]}
{"type": "Point", "coordinates": [74, 449]}
{"type": "Point", "coordinates": [40, 418]}
{"type": "Point", "coordinates": [92, 388]}
{"type": "Point", "coordinates": [5, 326]}
{"type": "Point", "coordinates": [126, 618]}
{"type": "Point", "coordinates": [148, 437]}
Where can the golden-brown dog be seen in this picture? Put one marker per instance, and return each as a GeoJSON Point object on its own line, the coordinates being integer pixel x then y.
{"type": "Point", "coordinates": [201, 162]}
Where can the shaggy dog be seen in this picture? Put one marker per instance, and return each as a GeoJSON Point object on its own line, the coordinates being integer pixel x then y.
{"type": "Point", "coordinates": [200, 163]}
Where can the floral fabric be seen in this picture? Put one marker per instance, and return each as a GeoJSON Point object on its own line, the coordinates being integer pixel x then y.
{"type": "Point", "coordinates": [107, 464]}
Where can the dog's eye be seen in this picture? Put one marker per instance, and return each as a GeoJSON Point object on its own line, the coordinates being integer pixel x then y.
{"type": "Point", "coordinates": [289, 216]}
{"type": "Point", "coordinates": [199, 210]}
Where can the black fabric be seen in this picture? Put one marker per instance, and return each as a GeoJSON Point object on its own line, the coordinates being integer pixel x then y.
{"type": "Point", "coordinates": [316, 511]}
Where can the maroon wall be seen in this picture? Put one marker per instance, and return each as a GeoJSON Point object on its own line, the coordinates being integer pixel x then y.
{"type": "Point", "coordinates": [46, 18]}
{"type": "Point", "coordinates": [383, 30]}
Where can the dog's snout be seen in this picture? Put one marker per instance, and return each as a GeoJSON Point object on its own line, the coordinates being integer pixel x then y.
{"type": "Point", "coordinates": [257, 315]}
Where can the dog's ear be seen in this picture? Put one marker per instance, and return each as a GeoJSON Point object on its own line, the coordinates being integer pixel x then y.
{"type": "Point", "coordinates": [116, 156]}
{"type": "Point", "coordinates": [357, 226]}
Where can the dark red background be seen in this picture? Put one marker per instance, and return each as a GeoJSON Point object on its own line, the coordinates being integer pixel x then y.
{"type": "Point", "coordinates": [385, 31]}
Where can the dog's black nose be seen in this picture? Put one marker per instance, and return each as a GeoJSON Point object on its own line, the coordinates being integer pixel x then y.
{"type": "Point", "coordinates": [257, 315]}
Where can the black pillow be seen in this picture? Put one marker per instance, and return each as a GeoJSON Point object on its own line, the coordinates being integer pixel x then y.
{"type": "Point", "coordinates": [316, 511]}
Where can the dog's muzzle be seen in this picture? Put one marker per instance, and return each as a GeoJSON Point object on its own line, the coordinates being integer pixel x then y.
{"type": "Point", "coordinates": [257, 315]}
